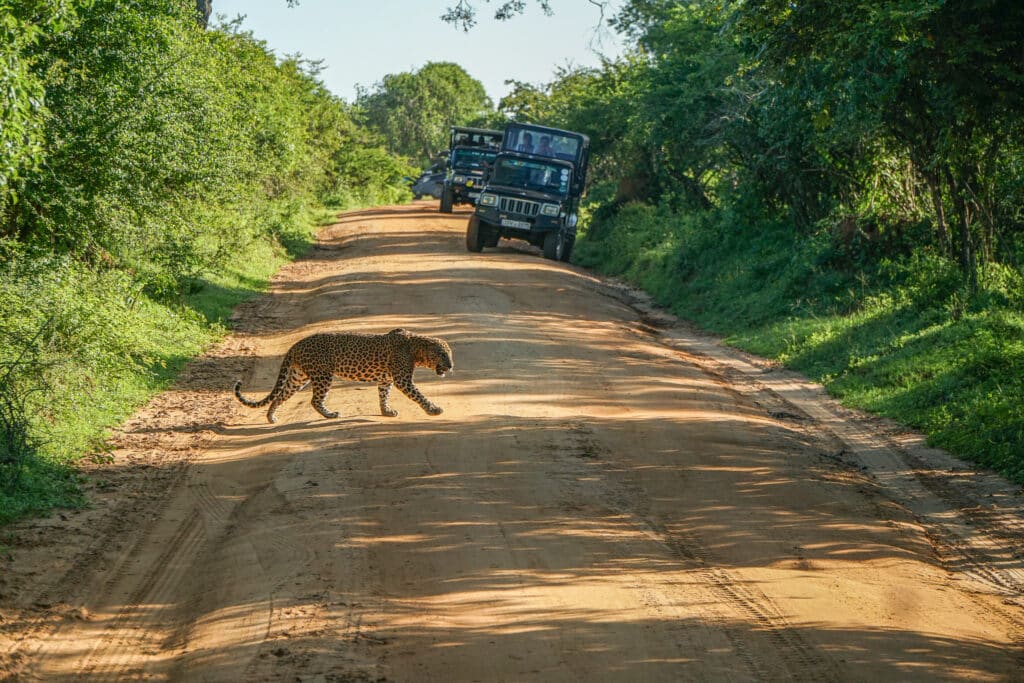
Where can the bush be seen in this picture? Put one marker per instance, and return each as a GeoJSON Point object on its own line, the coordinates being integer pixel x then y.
{"type": "Point", "coordinates": [368, 176]}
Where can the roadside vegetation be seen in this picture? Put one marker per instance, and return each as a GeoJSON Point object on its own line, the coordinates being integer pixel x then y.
{"type": "Point", "coordinates": [839, 186]}
{"type": "Point", "coordinates": [412, 111]}
{"type": "Point", "coordinates": [153, 174]}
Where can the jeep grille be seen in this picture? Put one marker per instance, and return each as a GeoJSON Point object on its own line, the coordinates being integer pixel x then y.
{"type": "Point", "coordinates": [521, 206]}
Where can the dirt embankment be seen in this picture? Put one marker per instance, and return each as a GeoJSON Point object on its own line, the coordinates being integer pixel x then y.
{"type": "Point", "coordinates": [607, 496]}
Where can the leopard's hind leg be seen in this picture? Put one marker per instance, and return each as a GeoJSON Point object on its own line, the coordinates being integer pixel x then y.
{"type": "Point", "coordinates": [321, 385]}
{"type": "Point", "coordinates": [295, 381]}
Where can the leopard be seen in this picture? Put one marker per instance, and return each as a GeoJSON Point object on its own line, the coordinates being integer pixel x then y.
{"type": "Point", "coordinates": [387, 359]}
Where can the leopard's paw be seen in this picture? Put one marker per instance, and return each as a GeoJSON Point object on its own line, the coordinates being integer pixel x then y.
{"type": "Point", "coordinates": [435, 410]}
{"type": "Point", "coordinates": [326, 413]}
{"type": "Point", "coordinates": [389, 412]}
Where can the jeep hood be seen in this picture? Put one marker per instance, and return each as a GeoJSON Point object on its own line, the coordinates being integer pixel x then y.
{"type": "Point", "coordinates": [521, 193]}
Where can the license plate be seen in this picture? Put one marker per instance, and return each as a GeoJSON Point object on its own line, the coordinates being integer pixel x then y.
{"type": "Point", "coordinates": [509, 223]}
{"type": "Point", "coordinates": [474, 195]}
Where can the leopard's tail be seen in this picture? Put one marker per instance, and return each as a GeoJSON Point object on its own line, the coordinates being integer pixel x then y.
{"type": "Point", "coordinates": [282, 379]}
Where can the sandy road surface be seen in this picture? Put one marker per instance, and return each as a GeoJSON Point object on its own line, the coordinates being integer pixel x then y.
{"type": "Point", "coordinates": [607, 496]}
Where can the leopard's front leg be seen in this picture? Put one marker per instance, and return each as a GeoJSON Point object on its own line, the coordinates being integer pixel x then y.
{"type": "Point", "coordinates": [321, 385]}
{"type": "Point", "coordinates": [384, 390]}
{"type": "Point", "coordinates": [406, 386]}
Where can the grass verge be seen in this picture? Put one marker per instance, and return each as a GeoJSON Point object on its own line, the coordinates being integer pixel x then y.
{"type": "Point", "coordinates": [895, 334]}
{"type": "Point", "coordinates": [101, 348]}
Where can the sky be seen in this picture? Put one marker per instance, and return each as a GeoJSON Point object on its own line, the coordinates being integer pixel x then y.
{"type": "Point", "coordinates": [361, 41]}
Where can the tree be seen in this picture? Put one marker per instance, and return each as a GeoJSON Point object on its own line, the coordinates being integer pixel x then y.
{"type": "Point", "coordinates": [22, 105]}
{"type": "Point", "coordinates": [413, 111]}
{"type": "Point", "coordinates": [463, 13]}
{"type": "Point", "coordinates": [944, 81]}
{"type": "Point", "coordinates": [525, 102]}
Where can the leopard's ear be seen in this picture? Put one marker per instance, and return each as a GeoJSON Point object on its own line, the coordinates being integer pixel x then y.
{"type": "Point", "coordinates": [400, 330]}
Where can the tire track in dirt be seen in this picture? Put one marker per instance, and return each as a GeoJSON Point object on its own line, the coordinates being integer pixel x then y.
{"type": "Point", "coordinates": [974, 541]}
{"type": "Point", "coordinates": [801, 659]}
{"type": "Point", "coordinates": [99, 567]}
{"type": "Point", "coordinates": [735, 599]}
{"type": "Point", "coordinates": [966, 542]}
{"type": "Point", "coordinates": [122, 650]}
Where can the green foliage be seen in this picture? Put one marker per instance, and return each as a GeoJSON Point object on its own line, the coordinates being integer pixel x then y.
{"type": "Point", "coordinates": [20, 464]}
{"type": "Point", "coordinates": [463, 13]}
{"type": "Point", "coordinates": [368, 176]}
{"type": "Point", "coordinates": [413, 111]}
{"type": "Point", "coordinates": [939, 82]}
{"type": "Point", "coordinates": [161, 141]}
{"type": "Point", "coordinates": [93, 347]}
{"type": "Point", "coordinates": [937, 358]}
{"type": "Point", "coordinates": [67, 331]}
{"type": "Point", "coordinates": [22, 112]}
{"type": "Point", "coordinates": [843, 111]}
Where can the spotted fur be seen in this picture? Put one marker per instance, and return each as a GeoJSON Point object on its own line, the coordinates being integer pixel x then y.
{"type": "Point", "coordinates": [387, 359]}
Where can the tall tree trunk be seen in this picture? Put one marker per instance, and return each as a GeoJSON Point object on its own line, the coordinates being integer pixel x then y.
{"type": "Point", "coordinates": [935, 191]}
{"type": "Point", "coordinates": [203, 10]}
{"type": "Point", "coordinates": [967, 255]}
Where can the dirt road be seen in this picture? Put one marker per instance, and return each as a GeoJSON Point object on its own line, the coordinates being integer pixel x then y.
{"type": "Point", "coordinates": [608, 496]}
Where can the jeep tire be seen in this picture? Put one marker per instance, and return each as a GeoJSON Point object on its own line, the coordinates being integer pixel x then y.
{"type": "Point", "coordinates": [555, 243]}
{"type": "Point", "coordinates": [474, 238]}
{"type": "Point", "coordinates": [446, 200]}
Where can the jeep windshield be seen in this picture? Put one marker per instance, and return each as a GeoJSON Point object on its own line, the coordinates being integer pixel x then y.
{"type": "Point", "coordinates": [545, 143]}
{"type": "Point", "coordinates": [531, 175]}
{"type": "Point", "coordinates": [468, 158]}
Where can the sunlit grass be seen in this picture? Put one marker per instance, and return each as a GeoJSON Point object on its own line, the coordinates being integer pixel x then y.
{"type": "Point", "coordinates": [149, 342]}
{"type": "Point", "coordinates": [899, 336]}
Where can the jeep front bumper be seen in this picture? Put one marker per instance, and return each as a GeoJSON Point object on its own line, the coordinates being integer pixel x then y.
{"type": "Point", "coordinates": [465, 190]}
{"type": "Point", "coordinates": [517, 223]}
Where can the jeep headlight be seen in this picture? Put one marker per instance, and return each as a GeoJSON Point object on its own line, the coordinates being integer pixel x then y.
{"type": "Point", "coordinates": [459, 179]}
{"type": "Point", "coordinates": [488, 199]}
{"type": "Point", "coordinates": [550, 209]}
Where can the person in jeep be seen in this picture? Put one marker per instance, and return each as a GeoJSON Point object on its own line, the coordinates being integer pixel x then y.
{"type": "Point", "coordinates": [545, 148]}
{"type": "Point", "coordinates": [527, 144]}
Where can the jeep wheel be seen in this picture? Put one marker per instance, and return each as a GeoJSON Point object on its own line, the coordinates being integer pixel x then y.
{"type": "Point", "coordinates": [474, 240]}
{"type": "Point", "coordinates": [446, 201]}
{"type": "Point", "coordinates": [554, 245]}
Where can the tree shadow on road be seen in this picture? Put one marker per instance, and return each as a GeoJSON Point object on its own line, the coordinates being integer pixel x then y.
{"type": "Point", "coordinates": [598, 507]}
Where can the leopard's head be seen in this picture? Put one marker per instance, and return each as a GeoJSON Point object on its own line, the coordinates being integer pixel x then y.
{"type": "Point", "coordinates": [439, 357]}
